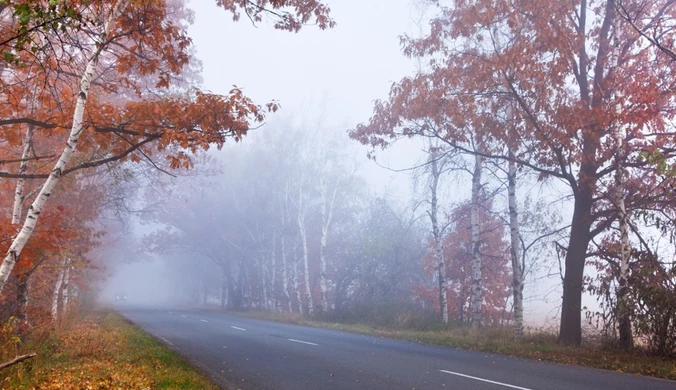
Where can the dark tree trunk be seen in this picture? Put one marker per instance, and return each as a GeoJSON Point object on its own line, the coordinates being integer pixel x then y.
{"type": "Point", "coordinates": [22, 303]}
{"type": "Point", "coordinates": [571, 310]}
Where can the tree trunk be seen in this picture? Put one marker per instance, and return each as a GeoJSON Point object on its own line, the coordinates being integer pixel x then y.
{"type": "Point", "coordinates": [326, 216]}
{"type": "Point", "coordinates": [306, 268]}
{"type": "Point", "coordinates": [77, 129]}
{"type": "Point", "coordinates": [515, 249]}
{"type": "Point", "coordinates": [19, 196]}
{"type": "Point", "coordinates": [296, 282]}
{"type": "Point", "coordinates": [626, 340]}
{"type": "Point", "coordinates": [66, 295]}
{"type": "Point", "coordinates": [624, 312]}
{"type": "Point", "coordinates": [322, 244]}
{"type": "Point", "coordinates": [570, 332]}
{"type": "Point", "coordinates": [56, 293]}
{"type": "Point", "coordinates": [285, 274]}
{"type": "Point", "coordinates": [22, 302]}
{"type": "Point", "coordinates": [477, 296]}
{"type": "Point", "coordinates": [263, 271]}
{"type": "Point", "coordinates": [438, 237]}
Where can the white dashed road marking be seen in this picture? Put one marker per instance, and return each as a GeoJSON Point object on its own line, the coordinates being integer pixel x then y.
{"type": "Point", "coordinates": [234, 327]}
{"type": "Point", "coordinates": [204, 320]}
{"type": "Point", "coordinates": [485, 380]}
{"type": "Point", "coordinates": [302, 342]}
{"type": "Point", "coordinates": [166, 341]}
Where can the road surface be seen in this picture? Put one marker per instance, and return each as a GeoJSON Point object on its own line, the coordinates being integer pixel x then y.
{"type": "Point", "coordinates": [243, 353]}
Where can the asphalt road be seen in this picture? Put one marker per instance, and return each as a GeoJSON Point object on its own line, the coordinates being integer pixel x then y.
{"type": "Point", "coordinates": [242, 353]}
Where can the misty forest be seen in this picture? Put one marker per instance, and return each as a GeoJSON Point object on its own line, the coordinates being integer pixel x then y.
{"type": "Point", "coordinates": [515, 178]}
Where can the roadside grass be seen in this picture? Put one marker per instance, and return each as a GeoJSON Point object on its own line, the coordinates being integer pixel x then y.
{"type": "Point", "coordinates": [539, 345]}
{"type": "Point", "coordinates": [100, 351]}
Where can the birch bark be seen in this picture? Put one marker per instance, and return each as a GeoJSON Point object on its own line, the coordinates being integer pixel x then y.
{"type": "Point", "coordinates": [303, 243]}
{"type": "Point", "coordinates": [56, 293]}
{"type": "Point", "coordinates": [66, 294]}
{"type": "Point", "coordinates": [23, 168]}
{"type": "Point", "coordinates": [18, 243]}
{"type": "Point", "coordinates": [515, 248]}
{"type": "Point", "coordinates": [437, 235]}
{"type": "Point", "coordinates": [626, 339]}
{"type": "Point", "coordinates": [326, 216]}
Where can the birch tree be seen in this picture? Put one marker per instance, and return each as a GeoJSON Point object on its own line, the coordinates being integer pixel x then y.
{"type": "Point", "coordinates": [437, 162]}
{"type": "Point", "coordinates": [556, 66]}
{"type": "Point", "coordinates": [301, 209]}
{"type": "Point", "coordinates": [515, 249]}
{"type": "Point", "coordinates": [35, 209]}
{"type": "Point", "coordinates": [57, 289]}
{"type": "Point", "coordinates": [123, 130]}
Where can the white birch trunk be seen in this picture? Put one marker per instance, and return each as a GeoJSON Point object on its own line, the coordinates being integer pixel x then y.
{"type": "Point", "coordinates": [65, 294]}
{"type": "Point", "coordinates": [56, 293]}
{"type": "Point", "coordinates": [296, 287]}
{"type": "Point", "coordinates": [285, 277]}
{"type": "Point", "coordinates": [285, 265]}
{"type": "Point", "coordinates": [476, 294]}
{"type": "Point", "coordinates": [306, 268]}
{"type": "Point", "coordinates": [438, 239]}
{"type": "Point", "coordinates": [77, 129]}
{"type": "Point", "coordinates": [626, 339]}
{"type": "Point", "coordinates": [264, 279]}
{"type": "Point", "coordinates": [624, 314]}
{"type": "Point", "coordinates": [23, 168]}
{"type": "Point", "coordinates": [515, 248]}
{"type": "Point", "coordinates": [327, 216]}
{"type": "Point", "coordinates": [303, 242]}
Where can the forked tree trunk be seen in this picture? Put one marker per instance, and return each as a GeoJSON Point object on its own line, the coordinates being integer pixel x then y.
{"type": "Point", "coordinates": [515, 249]}
{"type": "Point", "coordinates": [76, 131]}
{"type": "Point", "coordinates": [477, 293]}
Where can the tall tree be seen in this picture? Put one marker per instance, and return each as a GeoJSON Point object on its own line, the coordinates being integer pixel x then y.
{"type": "Point", "coordinates": [553, 63]}
{"type": "Point", "coordinates": [148, 40]}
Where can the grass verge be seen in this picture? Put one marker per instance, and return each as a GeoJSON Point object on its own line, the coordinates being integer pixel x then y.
{"type": "Point", "coordinates": [537, 346]}
{"type": "Point", "coordinates": [102, 351]}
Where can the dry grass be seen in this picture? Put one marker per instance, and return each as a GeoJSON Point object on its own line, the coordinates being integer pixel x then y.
{"type": "Point", "coordinates": [102, 351]}
{"type": "Point", "coordinates": [535, 345]}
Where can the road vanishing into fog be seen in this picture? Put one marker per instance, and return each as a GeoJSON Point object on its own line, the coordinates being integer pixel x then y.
{"type": "Point", "coordinates": [242, 353]}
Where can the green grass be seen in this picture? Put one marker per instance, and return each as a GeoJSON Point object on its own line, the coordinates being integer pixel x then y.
{"type": "Point", "coordinates": [535, 345]}
{"type": "Point", "coordinates": [102, 352]}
